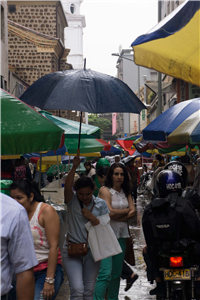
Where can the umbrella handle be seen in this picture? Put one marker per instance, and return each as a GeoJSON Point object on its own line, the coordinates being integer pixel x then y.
{"type": "Point", "coordinates": [78, 152]}
{"type": "Point", "coordinates": [79, 137]}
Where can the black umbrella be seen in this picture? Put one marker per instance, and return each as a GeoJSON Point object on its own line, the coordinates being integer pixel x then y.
{"type": "Point", "coordinates": [82, 90]}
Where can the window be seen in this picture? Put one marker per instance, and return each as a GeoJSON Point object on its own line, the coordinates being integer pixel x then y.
{"type": "Point", "coordinates": [177, 3]}
{"type": "Point", "coordinates": [72, 8]}
{"type": "Point", "coordinates": [154, 76]}
{"type": "Point", "coordinates": [164, 99]}
{"type": "Point", "coordinates": [12, 8]}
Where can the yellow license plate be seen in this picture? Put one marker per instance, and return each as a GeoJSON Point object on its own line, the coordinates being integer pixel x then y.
{"type": "Point", "coordinates": [177, 274]}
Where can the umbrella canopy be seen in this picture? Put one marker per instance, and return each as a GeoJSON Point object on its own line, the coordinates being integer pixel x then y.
{"type": "Point", "coordinates": [126, 145]}
{"type": "Point", "coordinates": [160, 147]}
{"type": "Point", "coordinates": [113, 151]}
{"type": "Point", "coordinates": [86, 146]}
{"type": "Point", "coordinates": [24, 130]}
{"type": "Point", "coordinates": [82, 90]}
{"type": "Point", "coordinates": [63, 168]}
{"type": "Point", "coordinates": [179, 124]}
{"type": "Point", "coordinates": [172, 46]}
{"type": "Point", "coordinates": [71, 128]}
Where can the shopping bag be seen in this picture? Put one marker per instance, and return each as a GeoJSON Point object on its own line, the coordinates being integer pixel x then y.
{"type": "Point", "coordinates": [102, 239]}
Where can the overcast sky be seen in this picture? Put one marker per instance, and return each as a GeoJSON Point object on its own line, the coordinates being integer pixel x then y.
{"type": "Point", "coordinates": [111, 23]}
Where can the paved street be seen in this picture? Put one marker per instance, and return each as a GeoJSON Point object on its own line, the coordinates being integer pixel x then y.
{"type": "Point", "coordinates": [140, 289]}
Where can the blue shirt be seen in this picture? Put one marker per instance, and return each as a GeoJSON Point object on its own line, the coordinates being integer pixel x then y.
{"type": "Point", "coordinates": [17, 248]}
{"type": "Point", "coordinates": [77, 232]}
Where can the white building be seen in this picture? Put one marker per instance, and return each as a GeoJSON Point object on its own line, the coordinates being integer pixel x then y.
{"type": "Point", "coordinates": [74, 32]}
{"type": "Point", "coordinates": [134, 77]}
{"type": "Point", "coordinates": [4, 46]}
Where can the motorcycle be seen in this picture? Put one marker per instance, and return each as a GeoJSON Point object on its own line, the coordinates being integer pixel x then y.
{"type": "Point", "coordinates": [178, 275]}
{"type": "Point", "coordinates": [145, 181]}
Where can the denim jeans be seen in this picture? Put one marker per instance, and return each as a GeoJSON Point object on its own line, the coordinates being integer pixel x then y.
{"type": "Point", "coordinates": [43, 178]}
{"type": "Point", "coordinates": [40, 280]}
{"type": "Point", "coordinates": [82, 273]}
{"type": "Point", "coordinates": [39, 283]}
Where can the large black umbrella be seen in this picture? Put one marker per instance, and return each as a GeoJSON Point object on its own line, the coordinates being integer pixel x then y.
{"type": "Point", "coordinates": [82, 90]}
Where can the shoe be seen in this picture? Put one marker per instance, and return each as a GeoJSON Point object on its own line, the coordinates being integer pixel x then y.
{"type": "Point", "coordinates": [159, 290]}
{"type": "Point", "coordinates": [130, 281]}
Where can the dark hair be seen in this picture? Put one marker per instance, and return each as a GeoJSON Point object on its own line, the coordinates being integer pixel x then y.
{"type": "Point", "coordinates": [158, 157]}
{"type": "Point", "coordinates": [125, 184]}
{"type": "Point", "coordinates": [84, 182]}
{"type": "Point", "coordinates": [102, 171]}
{"type": "Point", "coordinates": [27, 188]}
{"type": "Point", "coordinates": [87, 164]}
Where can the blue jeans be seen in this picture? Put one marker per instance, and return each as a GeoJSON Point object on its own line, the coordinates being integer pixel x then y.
{"type": "Point", "coordinates": [82, 273]}
{"type": "Point", "coordinates": [39, 283]}
{"type": "Point", "coordinates": [43, 178]}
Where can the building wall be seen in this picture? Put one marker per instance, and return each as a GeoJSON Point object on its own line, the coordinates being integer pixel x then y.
{"type": "Point", "coordinates": [74, 32]}
{"type": "Point", "coordinates": [4, 46]}
{"type": "Point", "coordinates": [168, 6]}
{"type": "Point", "coordinates": [129, 72]}
{"type": "Point", "coordinates": [36, 15]}
{"type": "Point", "coordinates": [29, 63]}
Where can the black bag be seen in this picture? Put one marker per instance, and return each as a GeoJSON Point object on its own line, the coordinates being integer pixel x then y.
{"type": "Point", "coordinates": [167, 220]}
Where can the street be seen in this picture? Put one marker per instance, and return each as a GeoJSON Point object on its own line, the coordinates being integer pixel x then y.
{"type": "Point", "coordinates": [140, 289]}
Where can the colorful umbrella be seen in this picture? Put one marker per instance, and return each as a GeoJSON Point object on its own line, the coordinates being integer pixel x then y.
{"type": "Point", "coordinates": [172, 46]}
{"type": "Point", "coordinates": [113, 151]}
{"type": "Point", "coordinates": [24, 130]}
{"type": "Point", "coordinates": [71, 128]}
{"type": "Point", "coordinates": [180, 124]}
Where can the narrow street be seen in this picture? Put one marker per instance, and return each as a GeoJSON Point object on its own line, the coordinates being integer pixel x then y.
{"type": "Point", "coordinates": [140, 289]}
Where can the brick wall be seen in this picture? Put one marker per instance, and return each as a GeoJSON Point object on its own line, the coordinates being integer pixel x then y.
{"type": "Point", "coordinates": [41, 18]}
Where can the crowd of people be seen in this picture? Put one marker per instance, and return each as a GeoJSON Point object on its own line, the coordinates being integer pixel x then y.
{"type": "Point", "coordinates": [31, 228]}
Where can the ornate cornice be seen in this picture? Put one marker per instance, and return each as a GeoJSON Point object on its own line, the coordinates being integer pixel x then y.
{"type": "Point", "coordinates": [44, 43]}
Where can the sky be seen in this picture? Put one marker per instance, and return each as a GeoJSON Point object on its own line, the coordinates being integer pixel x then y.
{"type": "Point", "coordinates": [111, 23]}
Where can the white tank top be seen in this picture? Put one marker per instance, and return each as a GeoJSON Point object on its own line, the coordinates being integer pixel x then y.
{"type": "Point", "coordinates": [119, 201]}
{"type": "Point", "coordinates": [39, 238]}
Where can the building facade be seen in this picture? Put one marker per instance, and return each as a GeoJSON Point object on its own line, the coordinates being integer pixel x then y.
{"type": "Point", "coordinates": [134, 76]}
{"type": "Point", "coordinates": [36, 42]}
{"type": "Point", "coordinates": [4, 46]}
{"type": "Point", "coordinates": [74, 32]}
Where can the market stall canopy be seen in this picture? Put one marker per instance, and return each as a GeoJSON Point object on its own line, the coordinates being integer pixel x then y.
{"type": "Point", "coordinates": [179, 124]}
{"type": "Point", "coordinates": [172, 46]}
{"type": "Point", "coordinates": [24, 130]}
{"type": "Point", "coordinates": [86, 146]}
{"type": "Point", "coordinates": [71, 128]}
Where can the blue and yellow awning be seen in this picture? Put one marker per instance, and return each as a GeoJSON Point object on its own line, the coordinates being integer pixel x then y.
{"type": "Point", "coordinates": [172, 47]}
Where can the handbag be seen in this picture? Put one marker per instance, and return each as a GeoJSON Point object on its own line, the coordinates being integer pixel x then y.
{"type": "Point", "coordinates": [76, 250]}
{"type": "Point", "coordinates": [80, 249]}
{"type": "Point", "coordinates": [102, 239]}
{"type": "Point", "coordinates": [129, 254]}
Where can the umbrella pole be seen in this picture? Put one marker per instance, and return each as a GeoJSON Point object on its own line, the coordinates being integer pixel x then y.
{"type": "Point", "coordinates": [69, 163]}
{"type": "Point", "coordinates": [79, 137]}
{"type": "Point", "coordinates": [40, 171]}
{"type": "Point", "coordinates": [58, 172]}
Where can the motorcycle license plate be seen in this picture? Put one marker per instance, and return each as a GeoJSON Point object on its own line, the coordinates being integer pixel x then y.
{"type": "Point", "coordinates": [177, 274]}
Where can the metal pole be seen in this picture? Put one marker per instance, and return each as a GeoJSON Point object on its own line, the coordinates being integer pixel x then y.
{"type": "Point", "coordinates": [159, 107]}
{"type": "Point", "coordinates": [139, 97]}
